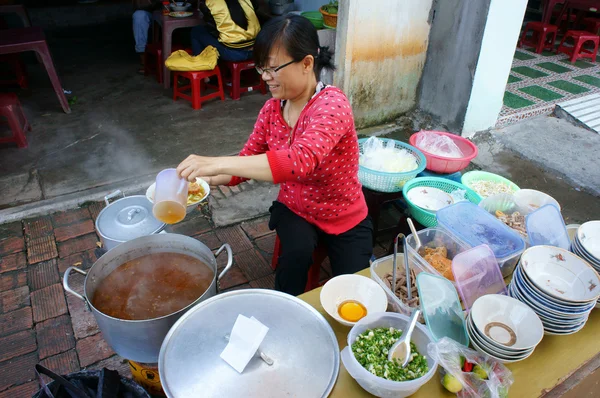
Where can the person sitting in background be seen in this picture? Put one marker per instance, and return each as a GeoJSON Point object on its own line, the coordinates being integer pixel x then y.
{"type": "Point", "coordinates": [142, 16]}
{"type": "Point", "coordinates": [231, 27]}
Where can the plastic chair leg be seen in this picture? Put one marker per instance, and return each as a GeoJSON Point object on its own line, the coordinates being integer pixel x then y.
{"type": "Point", "coordinates": [221, 89]}
{"type": "Point", "coordinates": [196, 103]}
{"type": "Point", "coordinates": [235, 83]}
{"type": "Point", "coordinates": [175, 86]}
{"type": "Point", "coordinates": [576, 50]}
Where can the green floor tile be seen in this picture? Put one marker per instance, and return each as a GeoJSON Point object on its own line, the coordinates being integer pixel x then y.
{"type": "Point", "coordinates": [579, 63]}
{"type": "Point", "coordinates": [529, 72]}
{"type": "Point", "coordinates": [514, 101]}
{"type": "Point", "coordinates": [513, 79]}
{"type": "Point", "coordinates": [523, 56]}
{"type": "Point", "coordinates": [547, 53]}
{"type": "Point", "coordinates": [594, 81]}
{"type": "Point", "coordinates": [542, 93]}
{"type": "Point", "coordinates": [568, 87]}
{"type": "Point", "coordinates": [551, 66]}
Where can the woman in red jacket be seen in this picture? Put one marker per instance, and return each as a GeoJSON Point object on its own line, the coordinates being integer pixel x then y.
{"type": "Point", "coordinates": [304, 140]}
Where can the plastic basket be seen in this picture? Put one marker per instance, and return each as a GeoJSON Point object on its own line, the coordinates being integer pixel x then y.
{"type": "Point", "coordinates": [428, 218]}
{"type": "Point", "coordinates": [446, 165]}
{"type": "Point", "coordinates": [315, 17]}
{"type": "Point", "coordinates": [381, 181]}
{"type": "Point", "coordinates": [469, 178]}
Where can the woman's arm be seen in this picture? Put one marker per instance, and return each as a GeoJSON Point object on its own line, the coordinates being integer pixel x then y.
{"type": "Point", "coordinates": [254, 167]}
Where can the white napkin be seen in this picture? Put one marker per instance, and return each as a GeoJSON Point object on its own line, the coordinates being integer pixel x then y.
{"type": "Point", "coordinates": [244, 341]}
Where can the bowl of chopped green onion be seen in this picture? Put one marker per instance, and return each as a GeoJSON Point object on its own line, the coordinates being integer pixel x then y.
{"type": "Point", "coordinates": [366, 356]}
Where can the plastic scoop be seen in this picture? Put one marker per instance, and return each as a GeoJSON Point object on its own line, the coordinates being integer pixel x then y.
{"type": "Point", "coordinates": [400, 351]}
{"type": "Point", "coordinates": [420, 249]}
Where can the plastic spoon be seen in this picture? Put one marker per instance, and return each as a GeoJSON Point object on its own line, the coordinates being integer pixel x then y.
{"type": "Point", "coordinates": [420, 248]}
{"type": "Point", "coordinates": [401, 351]}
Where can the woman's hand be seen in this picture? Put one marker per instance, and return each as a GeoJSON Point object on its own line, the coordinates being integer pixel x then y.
{"type": "Point", "coordinates": [195, 166]}
{"type": "Point", "coordinates": [214, 181]}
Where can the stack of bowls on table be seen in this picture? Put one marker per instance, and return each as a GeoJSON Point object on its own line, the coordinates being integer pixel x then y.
{"type": "Point", "coordinates": [586, 244]}
{"type": "Point", "coordinates": [504, 328]}
{"type": "Point", "coordinates": [559, 286]}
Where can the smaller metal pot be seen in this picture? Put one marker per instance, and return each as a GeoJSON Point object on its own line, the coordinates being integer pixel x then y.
{"type": "Point", "coordinates": [126, 219]}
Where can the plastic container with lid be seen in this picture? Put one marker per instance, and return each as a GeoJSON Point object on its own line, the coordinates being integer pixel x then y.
{"type": "Point", "coordinates": [546, 226]}
{"type": "Point", "coordinates": [433, 237]}
{"type": "Point", "coordinates": [475, 226]}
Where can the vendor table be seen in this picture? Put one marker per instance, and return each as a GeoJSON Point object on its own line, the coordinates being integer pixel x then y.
{"type": "Point", "coordinates": [33, 39]}
{"type": "Point", "coordinates": [554, 360]}
{"type": "Point", "coordinates": [169, 24]}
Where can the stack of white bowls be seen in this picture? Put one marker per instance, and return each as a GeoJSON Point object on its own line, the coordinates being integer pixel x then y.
{"type": "Point", "coordinates": [559, 286]}
{"type": "Point", "coordinates": [504, 328]}
{"type": "Point", "coordinates": [586, 244]}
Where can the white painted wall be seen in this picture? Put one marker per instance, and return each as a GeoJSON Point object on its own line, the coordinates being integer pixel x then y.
{"type": "Point", "coordinates": [493, 67]}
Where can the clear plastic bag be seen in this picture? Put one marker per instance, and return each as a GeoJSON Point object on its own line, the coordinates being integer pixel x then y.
{"type": "Point", "coordinates": [449, 355]}
{"type": "Point", "coordinates": [437, 144]}
{"type": "Point", "coordinates": [383, 155]}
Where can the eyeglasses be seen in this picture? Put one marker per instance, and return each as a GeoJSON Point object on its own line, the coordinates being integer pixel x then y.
{"type": "Point", "coordinates": [272, 71]}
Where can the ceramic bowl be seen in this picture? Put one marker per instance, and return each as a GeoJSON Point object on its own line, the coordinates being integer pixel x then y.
{"type": "Point", "coordinates": [352, 287]}
{"type": "Point", "coordinates": [561, 274]}
{"type": "Point", "coordinates": [529, 200]}
{"type": "Point", "coordinates": [506, 322]}
{"type": "Point", "coordinates": [180, 6]}
{"type": "Point", "coordinates": [589, 237]}
{"type": "Point", "coordinates": [572, 230]}
{"type": "Point", "coordinates": [578, 249]}
{"type": "Point", "coordinates": [501, 358]}
{"type": "Point", "coordinates": [190, 207]}
{"type": "Point", "coordinates": [472, 330]}
{"type": "Point", "coordinates": [429, 198]}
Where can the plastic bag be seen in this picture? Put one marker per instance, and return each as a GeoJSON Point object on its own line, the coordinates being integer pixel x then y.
{"type": "Point", "coordinates": [383, 155]}
{"type": "Point", "coordinates": [437, 144]}
{"type": "Point", "coordinates": [471, 384]}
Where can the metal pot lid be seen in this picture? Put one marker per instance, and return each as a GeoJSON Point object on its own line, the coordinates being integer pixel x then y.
{"type": "Point", "coordinates": [128, 218]}
{"type": "Point", "coordinates": [300, 342]}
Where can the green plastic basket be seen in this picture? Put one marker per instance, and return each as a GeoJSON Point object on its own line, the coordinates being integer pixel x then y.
{"type": "Point", "coordinates": [428, 218]}
{"type": "Point", "coordinates": [315, 17]}
{"type": "Point", "coordinates": [469, 178]}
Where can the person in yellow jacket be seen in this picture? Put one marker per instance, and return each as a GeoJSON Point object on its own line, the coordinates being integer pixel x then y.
{"type": "Point", "coordinates": [231, 27]}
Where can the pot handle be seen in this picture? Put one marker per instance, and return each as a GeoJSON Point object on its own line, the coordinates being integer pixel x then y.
{"type": "Point", "coordinates": [68, 288]}
{"type": "Point", "coordinates": [229, 260]}
{"type": "Point", "coordinates": [113, 195]}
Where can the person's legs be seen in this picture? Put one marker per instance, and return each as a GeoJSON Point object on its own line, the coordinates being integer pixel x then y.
{"type": "Point", "coordinates": [351, 251]}
{"type": "Point", "coordinates": [141, 24]}
{"type": "Point", "coordinates": [298, 241]}
{"type": "Point", "coordinates": [202, 38]}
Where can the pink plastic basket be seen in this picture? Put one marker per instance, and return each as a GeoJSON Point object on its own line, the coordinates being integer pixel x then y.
{"type": "Point", "coordinates": [444, 165]}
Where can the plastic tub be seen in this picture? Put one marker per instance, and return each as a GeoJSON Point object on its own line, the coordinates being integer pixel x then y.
{"type": "Point", "coordinates": [475, 226]}
{"type": "Point", "coordinates": [432, 237]}
{"type": "Point", "coordinates": [530, 200]}
{"type": "Point", "coordinates": [384, 265]}
{"type": "Point", "coordinates": [472, 176]}
{"type": "Point", "coordinates": [376, 385]}
{"type": "Point", "coordinates": [445, 165]}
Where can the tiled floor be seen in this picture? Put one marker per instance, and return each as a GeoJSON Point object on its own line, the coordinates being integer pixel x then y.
{"type": "Point", "coordinates": [39, 323]}
{"type": "Point", "coordinates": [538, 81]}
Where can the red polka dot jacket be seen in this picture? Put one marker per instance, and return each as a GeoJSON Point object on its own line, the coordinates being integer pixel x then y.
{"type": "Point", "coordinates": [317, 166]}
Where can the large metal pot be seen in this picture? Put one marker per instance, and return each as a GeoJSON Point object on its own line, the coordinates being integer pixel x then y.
{"type": "Point", "coordinates": [140, 340]}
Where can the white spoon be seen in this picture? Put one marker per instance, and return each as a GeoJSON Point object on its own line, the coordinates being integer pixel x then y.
{"type": "Point", "coordinates": [400, 351]}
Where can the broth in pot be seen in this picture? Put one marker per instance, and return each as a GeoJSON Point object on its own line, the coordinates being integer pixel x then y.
{"type": "Point", "coordinates": [152, 286]}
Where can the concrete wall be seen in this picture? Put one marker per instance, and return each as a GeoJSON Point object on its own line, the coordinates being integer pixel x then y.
{"type": "Point", "coordinates": [380, 53]}
{"type": "Point", "coordinates": [502, 30]}
{"type": "Point", "coordinates": [454, 46]}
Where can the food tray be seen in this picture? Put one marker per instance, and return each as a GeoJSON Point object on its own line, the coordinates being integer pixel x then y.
{"type": "Point", "coordinates": [428, 218]}
{"type": "Point", "coordinates": [381, 181]}
{"type": "Point", "coordinates": [475, 226]}
{"type": "Point", "coordinates": [431, 237]}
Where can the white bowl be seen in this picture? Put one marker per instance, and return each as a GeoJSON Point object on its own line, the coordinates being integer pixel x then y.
{"type": "Point", "coordinates": [474, 333]}
{"type": "Point", "coordinates": [561, 274]}
{"type": "Point", "coordinates": [588, 235]}
{"type": "Point", "coordinates": [529, 200]}
{"type": "Point", "coordinates": [572, 230]}
{"type": "Point", "coordinates": [507, 322]}
{"type": "Point", "coordinates": [190, 207]}
{"type": "Point", "coordinates": [376, 385]}
{"type": "Point", "coordinates": [498, 357]}
{"type": "Point", "coordinates": [429, 198]}
{"type": "Point", "coordinates": [352, 287]}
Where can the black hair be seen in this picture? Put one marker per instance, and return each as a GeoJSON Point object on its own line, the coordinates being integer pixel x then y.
{"type": "Point", "coordinates": [299, 38]}
{"type": "Point", "coordinates": [237, 13]}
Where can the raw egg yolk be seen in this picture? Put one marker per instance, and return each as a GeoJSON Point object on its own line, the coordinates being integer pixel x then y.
{"type": "Point", "coordinates": [352, 310]}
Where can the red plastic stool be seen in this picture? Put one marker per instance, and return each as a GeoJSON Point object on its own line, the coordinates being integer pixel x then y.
{"type": "Point", "coordinates": [592, 25]}
{"type": "Point", "coordinates": [234, 78]}
{"type": "Point", "coordinates": [196, 86]}
{"type": "Point", "coordinates": [155, 50]}
{"type": "Point", "coordinates": [18, 66]}
{"type": "Point", "coordinates": [10, 107]}
{"type": "Point", "coordinates": [543, 36]}
{"type": "Point", "coordinates": [578, 51]}
{"type": "Point", "coordinates": [314, 273]}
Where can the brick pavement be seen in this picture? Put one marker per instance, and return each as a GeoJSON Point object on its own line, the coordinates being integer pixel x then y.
{"type": "Point", "coordinates": [39, 323]}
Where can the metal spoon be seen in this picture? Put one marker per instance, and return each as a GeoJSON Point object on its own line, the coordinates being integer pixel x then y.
{"type": "Point", "coordinates": [420, 248]}
{"type": "Point", "coordinates": [406, 268]}
{"type": "Point", "coordinates": [401, 351]}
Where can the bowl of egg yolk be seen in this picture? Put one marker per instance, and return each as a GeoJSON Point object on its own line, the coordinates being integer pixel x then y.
{"type": "Point", "coordinates": [349, 298]}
